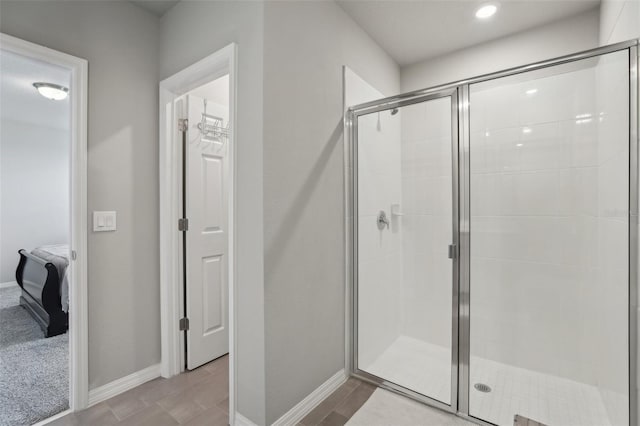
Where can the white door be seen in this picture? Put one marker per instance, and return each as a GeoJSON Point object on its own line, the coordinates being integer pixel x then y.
{"type": "Point", "coordinates": [206, 239]}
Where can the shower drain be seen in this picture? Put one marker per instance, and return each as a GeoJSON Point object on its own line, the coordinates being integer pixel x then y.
{"type": "Point", "coordinates": [482, 387]}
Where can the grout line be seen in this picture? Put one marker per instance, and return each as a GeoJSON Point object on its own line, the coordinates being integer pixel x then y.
{"type": "Point", "coordinates": [112, 412]}
{"type": "Point", "coordinates": [202, 406]}
{"type": "Point", "coordinates": [345, 400]}
{"type": "Point", "coordinates": [146, 405]}
{"type": "Point", "coordinates": [333, 409]}
{"type": "Point", "coordinates": [173, 392]}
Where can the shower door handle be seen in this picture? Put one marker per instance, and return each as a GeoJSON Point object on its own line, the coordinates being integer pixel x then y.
{"type": "Point", "coordinates": [453, 251]}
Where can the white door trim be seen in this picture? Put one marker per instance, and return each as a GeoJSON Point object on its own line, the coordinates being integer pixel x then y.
{"type": "Point", "coordinates": [208, 69]}
{"type": "Point", "coordinates": [78, 309]}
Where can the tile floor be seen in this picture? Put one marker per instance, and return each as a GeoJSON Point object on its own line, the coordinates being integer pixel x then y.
{"type": "Point", "coordinates": [194, 398]}
{"type": "Point", "coordinates": [341, 405]}
{"type": "Point", "coordinates": [545, 398]}
{"type": "Point", "coordinates": [345, 407]}
{"type": "Point", "coordinates": [200, 397]}
{"type": "Point", "coordinates": [416, 365]}
{"type": "Point", "coordinates": [386, 408]}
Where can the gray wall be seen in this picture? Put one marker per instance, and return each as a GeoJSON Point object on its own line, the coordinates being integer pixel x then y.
{"type": "Point", "coordinates": [189, 32]}
{"type": "Point", "coordinates": [120, 41]}
{"type": "Point", "coordinates": [545, 42]}
{"type": "Point", "coordinates": [34, 189]}
{"type": "Point", "coordinates": [299, 293]}
{"type": "Point", "coordinates": [619, 21]}
{"type": "Point", "coordinates": [306, 45]}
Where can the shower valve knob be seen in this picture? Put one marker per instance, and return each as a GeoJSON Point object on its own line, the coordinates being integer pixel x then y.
{"type": "Point", "coordinates": [383, 221]}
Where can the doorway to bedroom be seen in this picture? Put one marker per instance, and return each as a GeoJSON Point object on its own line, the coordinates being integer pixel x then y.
{"type": "Point", "coordinates": [42, 232]}
{"type": "Point", "coordinates": [35, 150]}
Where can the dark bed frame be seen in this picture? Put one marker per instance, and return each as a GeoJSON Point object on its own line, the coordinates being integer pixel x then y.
{"type": "Point", "coordinates": [40, 285]}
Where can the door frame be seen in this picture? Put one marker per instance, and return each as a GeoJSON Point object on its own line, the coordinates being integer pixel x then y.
{"type": "Point", "coordinates": [461, 179]}
{"type": "Point", "coordinates": [78, 302]}
{"type": "Point", "coordinates": [218, 64]}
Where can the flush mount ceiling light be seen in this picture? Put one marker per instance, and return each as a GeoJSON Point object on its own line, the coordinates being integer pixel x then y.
{"type": "Point", "coordinates": [486, 10]}
{"type": "Point", "coordinates": [52, 91]}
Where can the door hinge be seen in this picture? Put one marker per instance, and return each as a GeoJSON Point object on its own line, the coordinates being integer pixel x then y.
{"type": "Point", "coordinates": [74, 255]}
{"type": "Point", "coordinates": [183, 224]}
{"type": "Point", "coordinates": [453, 251]}
{"type": "Point", "coordinates": [184, 324]}
{"type": "Point", "coordinates": [183, 124]}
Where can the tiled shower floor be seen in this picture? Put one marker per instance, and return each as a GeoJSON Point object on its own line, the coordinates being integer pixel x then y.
{"type": "Point", "coordinates": [548, 399]}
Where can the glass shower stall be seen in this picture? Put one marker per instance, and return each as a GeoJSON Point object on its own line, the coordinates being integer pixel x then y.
{"type": "Point", "coordinates": [493, 242]}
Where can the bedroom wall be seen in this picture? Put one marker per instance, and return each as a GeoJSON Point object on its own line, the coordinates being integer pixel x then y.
{"type": "Point", "coordinates": [34, 190]}
{"type": "Point", "coordinates": [120, 41]}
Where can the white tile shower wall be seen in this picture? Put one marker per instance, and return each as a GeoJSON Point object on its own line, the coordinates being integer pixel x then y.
{"type": "Point", "coordinates": [549, 200]}
{"type": "Point", "coordinates": [534, 223]}
{"type": "Point", "coordinates": [380, 252]}
{"type": "Point", "coordinates": [427, 221]}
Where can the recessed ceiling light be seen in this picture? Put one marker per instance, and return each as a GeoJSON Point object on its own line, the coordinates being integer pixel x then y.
{"type": "Point", "coordinates": [526, 130]}
{"type": "Point", "coordinates": [52, 91]}
{"type": "Point", "coordinates": [486, 10]}
{"type": "Point", "coordinates": [531, 92]}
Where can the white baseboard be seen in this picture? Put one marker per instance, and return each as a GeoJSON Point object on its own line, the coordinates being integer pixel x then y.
{"type": "Point", "coordinates": [241, 420]}
{"type": "Point", "coordinates": [9, 284]}
{"type": "Point", "coordinates": [52, 418]}
{"type": "Point", "coordinates": [123, 384]}
{"type": "Point", "coordinates": [304, 407]}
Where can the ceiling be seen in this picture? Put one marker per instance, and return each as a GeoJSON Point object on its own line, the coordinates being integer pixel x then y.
{"type": "Point", "coordinates": [412, 31]}
{"type": "Point", "coordinates": [20, 101]}
{"type": "Point", "coordinates": [157, 7]}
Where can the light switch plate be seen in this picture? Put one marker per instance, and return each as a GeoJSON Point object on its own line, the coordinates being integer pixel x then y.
{"type": "Point", "coordinates": [104, 221]}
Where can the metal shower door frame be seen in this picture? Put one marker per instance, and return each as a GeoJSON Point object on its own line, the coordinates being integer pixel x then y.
{"type": "Point", "coordinates": [459, 92]}
{"type": "Point", "coordinates": [353, 115]}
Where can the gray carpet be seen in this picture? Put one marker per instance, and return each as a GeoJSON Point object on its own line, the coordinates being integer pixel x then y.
{"type": "Point", "coordinates": [34, 371]}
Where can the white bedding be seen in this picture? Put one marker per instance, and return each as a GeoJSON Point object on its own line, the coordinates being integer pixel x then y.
{"type": "Point", "coordinates": [58, 255]}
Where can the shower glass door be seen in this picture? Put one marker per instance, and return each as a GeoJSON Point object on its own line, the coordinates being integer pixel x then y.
{"type": "Point", "coordinates": [549, 244]}
{"type": "Point", "coordinates": [404, 205]}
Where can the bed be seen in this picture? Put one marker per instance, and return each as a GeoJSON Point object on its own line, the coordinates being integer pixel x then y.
{"type": "Point", "coordinates": [42, 275]}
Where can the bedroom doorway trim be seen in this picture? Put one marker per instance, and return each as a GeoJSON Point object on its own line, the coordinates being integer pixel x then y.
{"type": "Point", "coordinates": [214, 66]}
{"type": "Point", "coordinates": [78, 309]}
